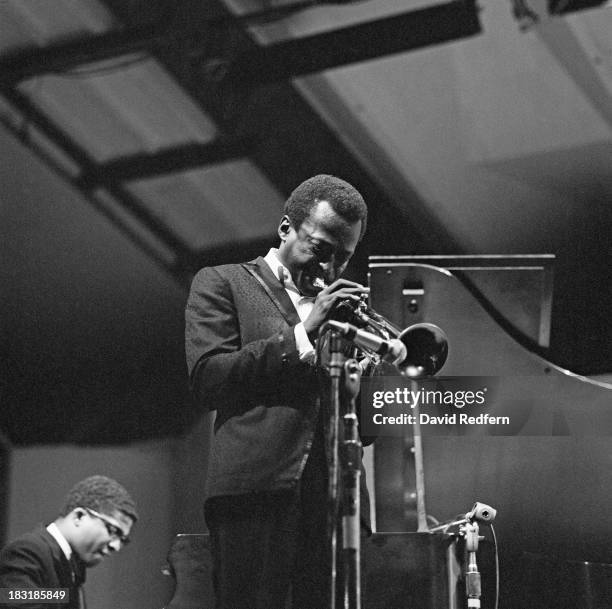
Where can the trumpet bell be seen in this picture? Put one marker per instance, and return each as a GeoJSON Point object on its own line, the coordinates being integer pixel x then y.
{"type": "Point", "coordinates": [426, 344]}
{"type": "Point", "coordinates": [427, 349]}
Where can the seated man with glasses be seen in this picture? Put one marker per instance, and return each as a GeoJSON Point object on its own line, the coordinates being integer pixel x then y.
{"type": "Point", "coordinates": [95, 521]}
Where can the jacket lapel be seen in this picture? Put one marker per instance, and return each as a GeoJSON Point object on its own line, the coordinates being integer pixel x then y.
{"type": "Point", "coordinates": [273, 288]}
{"type": "Point", "coordinates": [64, 572]}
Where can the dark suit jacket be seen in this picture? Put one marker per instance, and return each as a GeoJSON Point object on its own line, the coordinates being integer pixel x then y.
{"type": "Point", "coordinates": [35, 560]}
{"type": "Point", "coordinates": [243, 362]}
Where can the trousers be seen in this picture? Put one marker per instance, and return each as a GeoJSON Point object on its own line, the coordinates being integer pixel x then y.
{"type": "Point", "coordinates": [271, 549]}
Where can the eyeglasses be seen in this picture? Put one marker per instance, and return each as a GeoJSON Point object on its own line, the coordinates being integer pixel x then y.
{"type": "Point", "coordinates": [112, 529]}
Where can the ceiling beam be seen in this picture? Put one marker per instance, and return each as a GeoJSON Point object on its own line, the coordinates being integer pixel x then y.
{"type": "Point", "coordinates": [398, 33]}
{"type": "Point", "coordinates": [184, 257]}
{"type": "Point", "coordinates": [168, 160]}
{"type": "Point", "coordinates": [561, 7]}
{"type": "Point", "coordinates": [64, 56]}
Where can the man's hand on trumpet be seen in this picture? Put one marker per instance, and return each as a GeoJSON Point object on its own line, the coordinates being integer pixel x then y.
{"type": "Point", "coordinates": [328, 298]}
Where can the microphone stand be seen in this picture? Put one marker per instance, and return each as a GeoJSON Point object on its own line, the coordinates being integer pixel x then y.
{"type": "Point", "coordinates": [419, 470]}
{"type": "Point", "coordinates": [340, 367]}
{"type": "Point", "coordinates": [396, 350]}
{"type": "Point", "coordinates": [472, 576]}
{"type": "Point", "coordinates": [470, 531]}
{"type": "Point", "coordinates": [336, 369]}
{"type": "Point", "coordinates": [351, 476]}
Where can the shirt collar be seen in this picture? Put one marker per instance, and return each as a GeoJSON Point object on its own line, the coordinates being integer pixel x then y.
{"type": "Point", "coordinates": [54, 531]}
{"type": "Point", "coordinates": [281, 272]}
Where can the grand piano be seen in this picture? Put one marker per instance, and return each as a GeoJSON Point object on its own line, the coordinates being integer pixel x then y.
{"type": "Point", "coordinates": [548, 477]}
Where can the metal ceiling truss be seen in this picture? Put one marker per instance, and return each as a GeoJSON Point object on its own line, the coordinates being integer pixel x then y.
{"type": "Point", "coordinates": [223, 82]}
{"type": "Point", "coordinates": [178, 269]}
{"type": "Point", "coordinates": [65, 56]}
{"type": "Point", "coordinates": [262, 64]}
{"type": "Point", "coordinates": [168, 160]}
{"type": "Point", "coordinates": [396, 34]}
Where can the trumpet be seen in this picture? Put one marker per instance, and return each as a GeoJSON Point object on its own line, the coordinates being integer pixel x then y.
{"type": "Point", "coordinates": [426, 344]}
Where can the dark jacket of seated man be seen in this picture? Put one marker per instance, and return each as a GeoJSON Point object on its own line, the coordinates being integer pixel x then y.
{"type": "Point", "coordinates": [94, 522]}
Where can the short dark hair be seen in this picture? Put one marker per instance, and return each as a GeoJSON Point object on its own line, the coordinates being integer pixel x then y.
{"type": "Point", "coordinates": [344, 199]}
{"type": "Point", "coordinates": [101, 494]}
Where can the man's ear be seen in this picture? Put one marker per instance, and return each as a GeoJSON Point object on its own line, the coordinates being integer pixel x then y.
{"type": "Point", "coordinates": [77, 514]}
{"type": "Point", "coordinates": [284, 227]}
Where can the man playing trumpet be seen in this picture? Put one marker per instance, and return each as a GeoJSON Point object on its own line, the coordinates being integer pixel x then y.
{"type": "Point", "coordinates": [250, 333]}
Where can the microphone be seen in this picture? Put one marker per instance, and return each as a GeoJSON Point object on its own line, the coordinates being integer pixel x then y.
{"type": "Point", "coordinates": [481, 512]}
{"type": "Point", "coordinates": [393, 350]}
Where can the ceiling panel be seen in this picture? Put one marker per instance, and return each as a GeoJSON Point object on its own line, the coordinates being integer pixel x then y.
{"type": "Point", "coordinates": [25, 23]}
{"type": "Point", "coordinates": [316, 19]}
{"type": "Point", "coordinates": [212, 206]}
{"type": "Point", "coordinates": [116, 108]}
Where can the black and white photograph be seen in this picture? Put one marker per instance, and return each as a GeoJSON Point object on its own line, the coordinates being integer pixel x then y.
{"type": "Point", "coordinates": [305, 304]}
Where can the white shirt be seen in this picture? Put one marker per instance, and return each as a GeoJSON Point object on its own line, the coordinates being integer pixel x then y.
{"type": "Point", "coordinates": [303, 304]}
{"type": "Point", "coordinates": [61, 540]}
